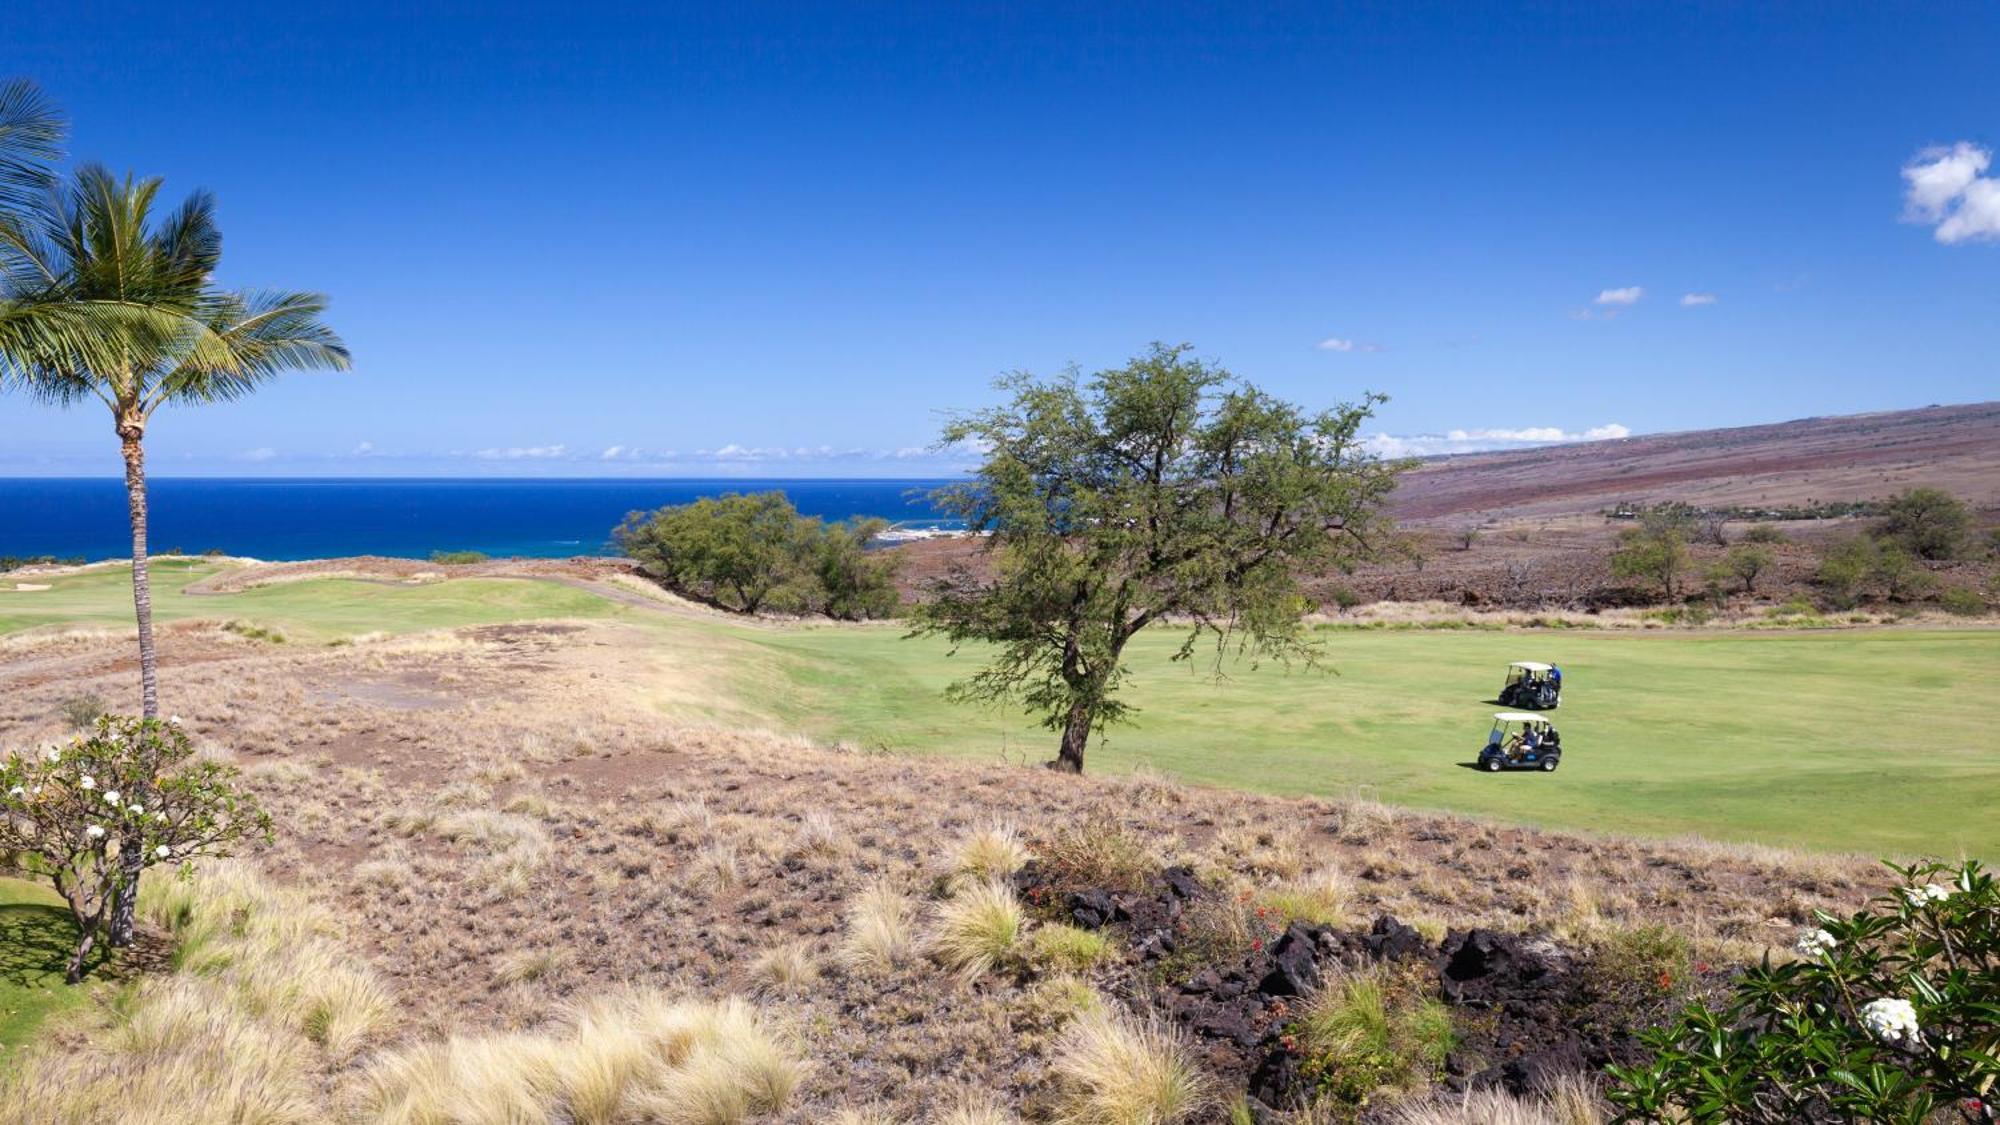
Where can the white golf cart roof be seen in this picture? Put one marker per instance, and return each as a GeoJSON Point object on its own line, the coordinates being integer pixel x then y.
{"type": "Point", "coordinates": [1518, 717]}
{"type": "Point", "coordinates": [1529, 666]}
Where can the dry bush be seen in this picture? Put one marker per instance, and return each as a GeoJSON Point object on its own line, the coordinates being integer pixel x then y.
{"type": "Point", "coordinates": [991, 853]}
{"type": "Point", "coordinates": [881, 929]}
{"type": "Point", "coordinates": [1100, 853]}
{"type": "Point", "coordinates": [979, 928]}
{"type": "Point", "coordinates": [1116, 1070]}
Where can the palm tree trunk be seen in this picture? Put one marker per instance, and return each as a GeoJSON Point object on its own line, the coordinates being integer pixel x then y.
{"type": "Point", "coordinates": [131, 859]}
{"type": "Point", "coordinates": [130, 435]}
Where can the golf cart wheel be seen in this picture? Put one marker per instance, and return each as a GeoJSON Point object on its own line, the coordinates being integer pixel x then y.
{"type": "Point", "coordinates": [1549, 764]}
{"type": "Point", "coordinates": [1492, 765]}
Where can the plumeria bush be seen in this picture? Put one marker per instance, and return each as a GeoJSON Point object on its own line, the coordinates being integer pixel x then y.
{"type": "Point", "coordinates": [93, 815]}
{"type": "Point", "coordinates": [1890, 1015]}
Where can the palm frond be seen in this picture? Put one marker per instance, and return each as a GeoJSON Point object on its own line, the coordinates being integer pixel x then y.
{"type": "Point", "coordinates": [60, 350]}
{"type": "Point", "coordinates": [31, 136]}
{"type": "Point", "coordinates": [264, 334]}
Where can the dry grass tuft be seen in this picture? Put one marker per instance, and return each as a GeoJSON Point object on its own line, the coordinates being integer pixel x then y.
{"type": "Point", "coordinates": [881, 929]}
{"type": "Point", "coordinates": [1572, 1100]}
{"type": "Point", "coordinates": [991, 853]}
{"type": "Point", "coordinates": [978, 928]}
{"type": "Point", "coordinates": [634, 1055]}
{"type": "Point", "coordinates": [1116, 1070]}
{"type": "Point", "coordinates": [971, 1107]}
{"type": "Point", "coordinates": [785, 969]}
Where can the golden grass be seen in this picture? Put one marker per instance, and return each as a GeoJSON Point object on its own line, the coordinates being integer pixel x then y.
{"type": "Point", "coordinates": [991, 853]}
{"type": "Point", "coordinates": [979, 928]}
{"type": "Point", "coordinates": [630, 1056]}
{"type": "Point", "coordinates": [881, 929]}
{"type": "Point", "coordinates": [1117, 1070]}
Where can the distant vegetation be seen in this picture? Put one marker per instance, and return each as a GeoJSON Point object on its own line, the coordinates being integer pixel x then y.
{"type": "Point", "coordinates": [458, 558]}
{"type": "Point", "coordinates": [16, 562]}
{"type": "Point", "coordinates": [755, 553]}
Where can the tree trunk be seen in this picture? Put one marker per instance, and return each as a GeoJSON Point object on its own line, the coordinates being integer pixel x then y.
{"type": "Point", "coordinates": [125, 911]}
{"type": "Point", "coordinates": [130, 434]}
{"type": "Point", "coordinates": [76, 959]}
{"type": "Point", "coordinates": [1076, 736]}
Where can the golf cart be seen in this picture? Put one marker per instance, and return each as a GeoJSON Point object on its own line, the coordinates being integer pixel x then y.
{"type": "Point", "coordinates": [1520, 741]}
{"type": "Point", "coordinates": [1532, 686]}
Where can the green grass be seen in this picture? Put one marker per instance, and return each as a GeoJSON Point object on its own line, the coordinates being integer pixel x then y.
{"type": "Point", "coordinates": [36, 939]}
{"type": "Point", "coordinates": [320, 610]}
{"type": "Point", "coordinates": [1879, 741]}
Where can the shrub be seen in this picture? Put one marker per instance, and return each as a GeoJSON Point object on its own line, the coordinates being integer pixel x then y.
{"type": "Point", "coordinates": [1344, 598]}
{"type": "Point", "coordinates": [1844, 570]}
{"type": "Point", "coordinates": [753, 552]}
{"type": "Point", "coordinates": [1098, 854]}
{"type": "Point", "coordinates": [1656, 551]}
{"type": "Point", "coordinates": [458, 558]}
{"type": "Point", "coordinates": [1887, 1015]}
{"type": "Point", "coordinates": [1930, 523]}
{"type": "Point", "coordinates": [1769, 535]}
{"type": "Point", "coordinates": [979, 928]}
{"type": "Point", "coordinates": [81, 712]}
{"type": "Point", "coordinates": [1962, 602]}
{"type": "Point", "coordinates": [91, 817]}
{"type": "Point", "coordinates": [1746, 561]}
{"type": "Point", "coordinates": [1115, 1070]}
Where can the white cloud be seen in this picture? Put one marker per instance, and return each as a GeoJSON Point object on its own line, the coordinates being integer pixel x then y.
{"type": "Point", "coordinates": [1947, 187]}
{"type": "Point", "coordinates": [612, 453]}
{"type": "Point", "coordinates": [1487, 439]}
{"type": "Point", "coordinates": [365, 449]}
{"type": "Point", "coordinates": [1340, 344]}
{"type": "Point", "coordinates": [1627, 296]}
{"type": "Point", "coordinates": [262, 453]}
{"type": "Point", "coordinates": [524, 453]}
{"type": "Point", "coordinates": [1696, 300]}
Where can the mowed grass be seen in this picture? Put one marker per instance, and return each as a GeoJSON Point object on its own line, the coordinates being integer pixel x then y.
{"type": "Point", "coordinates": [318, 610]}
{"type": "Point", "coordinates": [1883, 740]}
{"type": "Point", "coordinates": [1880, 741]}
{"type": "Point", "coordinates": [36, 939]}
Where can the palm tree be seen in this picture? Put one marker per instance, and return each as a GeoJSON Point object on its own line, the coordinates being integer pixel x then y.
{"type": "Point", "coordinates": [99, 300]}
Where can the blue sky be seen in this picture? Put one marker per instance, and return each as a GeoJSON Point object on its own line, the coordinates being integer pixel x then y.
{"type": "Point", "coordinates": [781, 240]}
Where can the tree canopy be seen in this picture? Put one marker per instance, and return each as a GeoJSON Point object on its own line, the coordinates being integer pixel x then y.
{"type": "Point", "coordinates": [754, 551]}
{"type": "Point", "coordinates": [1164, 491]}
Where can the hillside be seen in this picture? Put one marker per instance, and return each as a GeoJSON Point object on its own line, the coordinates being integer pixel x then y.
{"type": "Point", "coordinates": [1851, 457]}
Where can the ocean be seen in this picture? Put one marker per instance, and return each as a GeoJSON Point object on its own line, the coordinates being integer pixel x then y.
{"type": "Point", "coordinates": [282, 520]}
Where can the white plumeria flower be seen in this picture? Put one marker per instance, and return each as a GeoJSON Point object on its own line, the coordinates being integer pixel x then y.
{"type": "Point", "coordinates": [1928, 893]}
{"type": "Point", "coordinates": [88, 782]}
{"type": "Point", "coordinates": [95, 832]}
{"type": "Point", "coordinates": [111, 796]}
{"type": "Point", "coordinates": [137, 809]}
{"type": "Point", "coordinates": [163, 851]}
{"type": "Point", "coordinates": [173, 720]}
{"type": "Point", "coordinates": [52, 754]}
{"type": "Point", "coordinates": [17, 791]}
{"type": "Point", "coordinates": [1891, 1019]}
{"type": "Point", "coordinates": [1815, 943]}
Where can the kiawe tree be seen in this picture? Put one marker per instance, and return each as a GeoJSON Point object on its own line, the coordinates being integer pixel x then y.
{"type": "Point", "coordinates": [105, 298]}
{"type": "Point", "coordinates": [1162, 493]}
